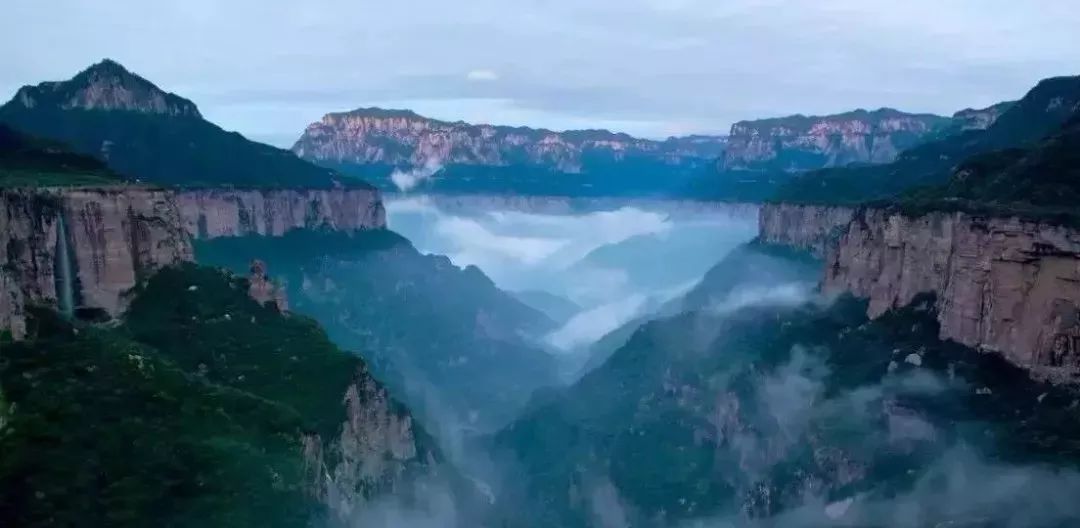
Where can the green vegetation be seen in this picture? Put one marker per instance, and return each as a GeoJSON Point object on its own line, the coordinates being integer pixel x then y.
{"type": "Point", "coordinates": [1040, 114]}
{"type": "Point", "coordinates": [1040, 182]}
{"type": "Point", "coordinates": [445, 338]}
{"type": "Point", "coordinates": [189, 413]}
{"type": "Point", "coordinates": [31, 162]}
{"type": "Point", "coordinates": [748, 414]}
{"type": "Point", "coordinates": [161, 139]}
{"type": "Point", "coordinates": [173, 150]}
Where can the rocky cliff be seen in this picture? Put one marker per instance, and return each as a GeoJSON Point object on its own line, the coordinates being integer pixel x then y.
{"type": "Point", "coordinates": [979, 118]}
{"type": "Point", "coordinates": [1002, 284]}
{"type": "Point", "coordinates": [810, 228]}
{"type": "Point", "coordinates": [797, 143]}
{"type": "Point", "coordinates": [373, 453]}
{"type": "Point", "coordinates": [83, 247]}
{"type": "Point", "coordinates": [212, 213]}
{"type": "Point", "coordinates": [404, 138]}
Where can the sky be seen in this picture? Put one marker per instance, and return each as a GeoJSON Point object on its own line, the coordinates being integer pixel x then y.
{"type": "Point", "coordinates": [652, 68]}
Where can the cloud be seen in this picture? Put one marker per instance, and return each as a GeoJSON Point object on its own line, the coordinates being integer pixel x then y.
{"type": "Point", "coordinates": [482, 75]}
{"type": "Point", "coordinates": [590, 325]}
{"type": "Point", "coordinates": [560, 63]}
{"type": "Point", "coordinates": [408, 179]}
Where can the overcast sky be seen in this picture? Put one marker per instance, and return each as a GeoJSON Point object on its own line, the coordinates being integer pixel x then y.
{"type": "Point", "coordinates": [654, 68]}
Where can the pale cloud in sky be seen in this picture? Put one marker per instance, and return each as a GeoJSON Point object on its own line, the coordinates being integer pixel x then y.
{"type": "Point", "coordinates": [648, 67]}
{"type": "Point", "coordinates": [482, 75]}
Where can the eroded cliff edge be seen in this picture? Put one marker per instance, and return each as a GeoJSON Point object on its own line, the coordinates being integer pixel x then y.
{"type": "Point", "coordinates": [108, 238]}
{"type": "Point", "coordinates": [809, 228]}
{"type": "Point", "coordinates": [1005, 285]}
{"type": "Point", "coordinates": [213, 213]}
{"type": "Point", "coordinates": [111, 238]}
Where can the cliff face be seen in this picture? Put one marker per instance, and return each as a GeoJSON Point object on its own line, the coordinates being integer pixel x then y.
{"type": "Point", "coordinates": [1002, 284]}
{"type": "Point", "coordinates": [798, 143]}
{"type": "Point", "coordinates": [110, 238]}
{"type": "Point", "coordinates": [810, 228]}
{"type": "Point", "coordinates": [399, 137]}
{"type": "Point", "coordinates": [374, 453]}
{"type": "Point", "coordinates": [212, 213]}
{"type": "Point", "coordinates": [979, 119]}
{"type": "Point", "coordinates": [86, 247]}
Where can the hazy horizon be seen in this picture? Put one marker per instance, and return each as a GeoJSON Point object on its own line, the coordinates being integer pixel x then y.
{"type": "Point", "coordinates": [649, 68]}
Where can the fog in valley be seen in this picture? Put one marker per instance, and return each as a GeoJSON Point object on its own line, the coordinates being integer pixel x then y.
{"type": "Point", "coordinates": [589, 266]}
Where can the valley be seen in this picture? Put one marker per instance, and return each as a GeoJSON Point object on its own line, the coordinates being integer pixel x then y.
{"type": "Point", "coordinates": [861, 318]}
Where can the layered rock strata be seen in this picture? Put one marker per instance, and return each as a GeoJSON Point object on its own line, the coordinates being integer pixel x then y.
{"type": "Point", "coordinates": [810, 228]}
{"type": "Point", "coordinates": [213, 213]}
{"type": "Point", "coordinates": [1002, 284]}
{"type": "Point", "coordinates": [111, 238]}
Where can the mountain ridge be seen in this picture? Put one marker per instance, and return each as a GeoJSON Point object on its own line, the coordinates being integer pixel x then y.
{"type": "Point", "coordinates": [147, 134]}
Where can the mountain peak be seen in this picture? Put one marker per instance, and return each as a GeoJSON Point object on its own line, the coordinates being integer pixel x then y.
{"type": "Point", "coordinates": [106, 85]}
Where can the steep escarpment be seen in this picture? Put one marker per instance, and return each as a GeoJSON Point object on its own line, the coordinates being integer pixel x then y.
{"type": "Point", "coordinates": [212, 213]}
{"type": "Point", "coordinates": [401, 137]}
{"type": "Point", "coordinates": [1002, 284]}
{"type": "Point", "coordinates": [811, 228]}
{"type": "Point", "coordinates": [88, 246]}
{"type": "Point", "coordinates": [400, 149]}
{"type": "Point", "coordinates": [798, 143]}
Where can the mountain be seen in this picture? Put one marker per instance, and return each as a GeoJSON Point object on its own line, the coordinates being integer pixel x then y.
{"type": "Point", "coordinates": [558, 308]}
{"type": "Point", "coordinates": [147, 134]}
{"type": "Point", "coordinates": [1041, 181]}
{"type": "Point", "coordinates": [1041, 112]}
{"type": "Point", "coordinates": [799, 143]}
{"type": "Point", "coordinates": [458, 349]}
{"type": "Point", "coordinates": [373, 142]}
{"type": "Point", "coordinates": [793, 415]}
{"type": "Point", "coordinates": [201, 407]}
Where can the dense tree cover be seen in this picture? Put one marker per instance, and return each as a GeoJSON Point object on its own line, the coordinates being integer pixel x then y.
{"type": "Point", "coordinates": [1039, 114]}
{"type": "Point", "coordinates": [188, 413]}
{"type": "Point", "coordinates": [161, 138]}
{"type": "Point", "coordinates": [184, 151]}
{"type": "Point", "coordinates": [771, 413]}
{"type": "Point", "coordinates": [1041, 181]}
{"type": "Point", "coordinates": [27, 161]}
{"type": "Point", "coordinates": [450, 342]}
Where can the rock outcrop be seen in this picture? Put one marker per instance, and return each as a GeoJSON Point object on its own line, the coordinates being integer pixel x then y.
{"type": "Point", "coordinates": [376, 449]}
{"type": "Point", "coordinates": [263, 290]}
{"type": "Point", "coordinates": [798, 143]}
{"type": "Point", "coordinates": [112, 237]}
{"type": "Point", "coordinates": [1002, 284]}
{"type": "Point", "coordinates": [212, 213]}
{"type": "Point", "coordinates": [105, 86]}
{"type": "Point", "coordinates": [979, 119]}
{"type": "Point", "coordinates": [404, 138]}
{"type": "Point", "coordinates": [810, 228]}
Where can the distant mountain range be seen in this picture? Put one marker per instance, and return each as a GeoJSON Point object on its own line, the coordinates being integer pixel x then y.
{"type": "Point", "coordinates": [143, 133]}
{"type": "Point", "coordinates": [1040, 113]}
{"type": "Point", "coordinates": [753, 159]}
